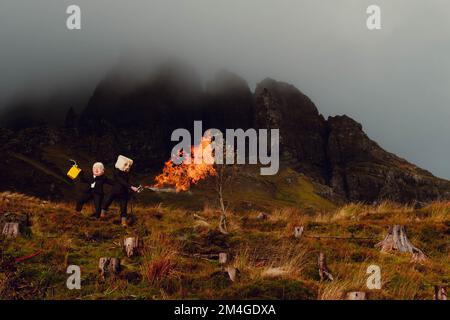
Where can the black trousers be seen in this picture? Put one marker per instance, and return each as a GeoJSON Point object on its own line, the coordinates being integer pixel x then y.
{"type": "Point", "coordinates": [122, 199]}
{"type": "Point", "coordinates": [86, 197]}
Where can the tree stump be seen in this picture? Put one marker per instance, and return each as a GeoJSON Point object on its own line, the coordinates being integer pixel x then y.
{"type": "Point", "coordinates": [11, 229]}
{"type": "Point", "coordinates": [109, 266]}
{"type": "Point", "coordinates": [233, 273]}
{"type": "Point", "coordinates": [22, 218]}
{"type": "Point", "coordinates": [262, 216]}
{"type": "Point", "coordinates": [440, 293]}
{"type": "Point", "coordinates": [298, 232]}
{"type": "Point", "coordinates": [356, 295]}
{"type": "Point", "coordinates": [223, 258]}
{"type": "Point", "coordinates": [324, 273]}
{"type": "Point", "coordinates": [132, 246]}
{"type": "Point", "coordinates": [397, 240]}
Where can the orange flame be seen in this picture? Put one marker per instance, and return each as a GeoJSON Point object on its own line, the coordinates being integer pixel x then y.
{"type": "Point", "coordinates": [184, 175]}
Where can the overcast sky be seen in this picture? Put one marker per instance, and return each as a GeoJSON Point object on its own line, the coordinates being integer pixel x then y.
{"type": "Point", "coordinates": [395, 81]}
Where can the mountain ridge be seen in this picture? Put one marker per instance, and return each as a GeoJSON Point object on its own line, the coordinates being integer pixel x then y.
{"type": "Point", "coordinates": [138, 121]}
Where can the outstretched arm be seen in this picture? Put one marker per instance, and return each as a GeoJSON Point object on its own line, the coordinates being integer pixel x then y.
{"type": "Point", "coordinates": [122, 181]}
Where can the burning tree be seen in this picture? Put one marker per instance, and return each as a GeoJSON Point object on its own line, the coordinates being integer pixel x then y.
{"type": "Point", "coordinates": [189, 172]}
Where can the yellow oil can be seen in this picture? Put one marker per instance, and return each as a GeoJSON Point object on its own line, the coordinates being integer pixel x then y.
{"type": "Point", "coordinates": [73, 172]}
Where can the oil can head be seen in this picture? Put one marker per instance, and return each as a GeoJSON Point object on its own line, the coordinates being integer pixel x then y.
{"type": "Point", "coordinates": [123, 163]}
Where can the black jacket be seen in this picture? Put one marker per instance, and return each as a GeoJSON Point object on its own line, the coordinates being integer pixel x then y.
{"type": "Point", "coordinates": [89, 180]}
{"type": "Point", "coordinates": [121, 183]}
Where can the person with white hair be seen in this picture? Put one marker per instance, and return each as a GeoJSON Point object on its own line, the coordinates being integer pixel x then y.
{"type": "Point", "coordinates": [93, 188]}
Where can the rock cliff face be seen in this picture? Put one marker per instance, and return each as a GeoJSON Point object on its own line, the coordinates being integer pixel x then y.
{"type": "Point", "coordinates": [338, 153]}
{"type": "Point", "coordinates": [138, 119]}
{"type": "Point", "coordinates": [362, 170]}
{"type": "Point", "coordinates": [302, 128]}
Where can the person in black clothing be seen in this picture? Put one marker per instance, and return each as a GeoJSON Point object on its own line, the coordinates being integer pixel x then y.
{"type": "Point", "coordinates": [120, 189]}
{"type": "Point", "coordinates": [93, 188]}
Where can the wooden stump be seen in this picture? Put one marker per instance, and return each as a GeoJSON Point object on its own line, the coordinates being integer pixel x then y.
{"type": "Point", "coordinates": [440, 293]}
{"type": "Point", "coordinates": [233, 273]}
{"type": "Point", "coordinates": [262, 216]}
{"type": "Point", "coordinates": [223, 258]}
{"type": "Point", "coordinates": [356, 295]}
{"type": "Point", "coordinates": [11, 229]}
{"type": "Point", "coordinates": [324, 273]}
{"type": "Point", "coordinates": [103, 264]}
{"type": "Point", "coordinates": [109, 266]}
{"type": "Point", "coordinates": [131, 246]}
{"type": "Point", "coordinates": [298, 232]}
{"type": "Point", "coordinates": [397, 240]}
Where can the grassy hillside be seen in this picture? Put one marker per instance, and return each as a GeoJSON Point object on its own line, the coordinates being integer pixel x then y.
{"type": "Point", "coordinates": [43, 173]}
{"type": "Point", "coordinates": [181, 243]}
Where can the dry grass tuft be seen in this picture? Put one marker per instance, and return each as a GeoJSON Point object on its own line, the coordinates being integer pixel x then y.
{"type": "Point", "coordinates": [357, 211]}
{"type": "Point", "coordinates": [19, 197]}
{"type": "Point", "coordinates": [285, 214]}
{"type": "Point", "coordinates": [439, 211]}
{"type": "Point", "coordinates": [348, 278]}
{"type": "Point", "coordinates": [403, 282]}
{"type": "Point", "coordinates": [352, 211]}
{"type": "Point", "coordinates": [333, 290]}
{"type": "Point", "coordinates": [285, 261]}
{"type": "Point", "coordinates": [159, 259]}
{"type": "Point", "coordinates": [393, 207]}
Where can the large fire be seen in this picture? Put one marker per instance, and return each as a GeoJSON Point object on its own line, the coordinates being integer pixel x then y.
{"type": "Point", "coordinates": [184, 175]}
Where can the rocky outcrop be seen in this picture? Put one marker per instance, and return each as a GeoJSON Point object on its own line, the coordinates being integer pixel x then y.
{"type": "Point", "coordinates": [338, 153]}
{"type": "Point", "coordinates": [302, 128]}
{"type": "Point", "coordinates": [362, 170]}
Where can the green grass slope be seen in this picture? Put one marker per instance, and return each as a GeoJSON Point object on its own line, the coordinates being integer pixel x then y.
{"type": "Point", "coordinates": [178, 259]}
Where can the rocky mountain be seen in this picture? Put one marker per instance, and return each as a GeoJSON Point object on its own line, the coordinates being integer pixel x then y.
{"type": "Point", "coordinates": [361, 169]}
{"type": "Point", "coordinates": [303, 131]}
{"type": "Point", "coordinates": [137, 119]}
{"type": "Point", "coordinates": [338, 153]}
